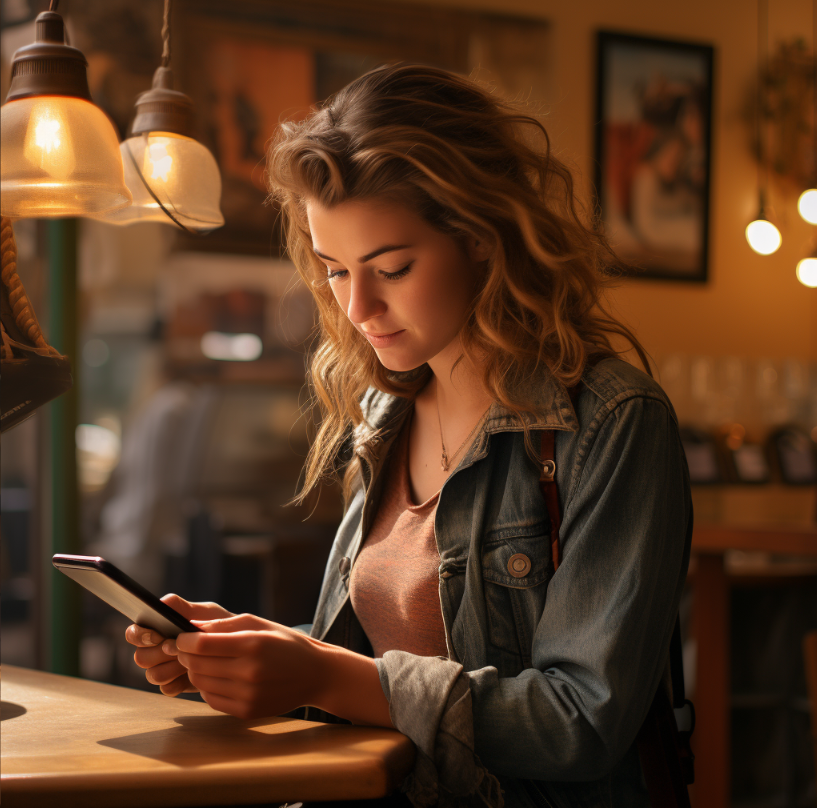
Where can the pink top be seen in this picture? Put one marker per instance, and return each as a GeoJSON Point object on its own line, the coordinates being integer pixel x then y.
{"type": "Point", "coordinates": [394, 583]}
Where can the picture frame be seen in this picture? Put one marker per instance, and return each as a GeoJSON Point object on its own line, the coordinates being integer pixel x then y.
{"type": "Point", "coordinates": [653, 129]}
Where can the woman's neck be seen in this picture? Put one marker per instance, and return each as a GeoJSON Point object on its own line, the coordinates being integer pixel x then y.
{"type": "Point", "coordinates": [460, 395]}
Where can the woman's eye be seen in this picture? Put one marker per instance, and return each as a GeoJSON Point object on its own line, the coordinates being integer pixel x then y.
{"type": "Point", "coordinates": [388, 275]}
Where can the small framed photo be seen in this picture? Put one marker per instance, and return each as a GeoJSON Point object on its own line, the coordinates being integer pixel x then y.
{"type": "Point", "coordinates": [653, 125]}
{"type": "Point", "coordinates": [795, 455]}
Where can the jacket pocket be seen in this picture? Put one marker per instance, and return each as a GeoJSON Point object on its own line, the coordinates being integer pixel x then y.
{"type": "Point", "coordinates": [515, 571]}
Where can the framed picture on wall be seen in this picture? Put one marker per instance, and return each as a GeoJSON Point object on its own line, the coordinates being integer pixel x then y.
{"type": "Point", "coordinates": [653, 133]}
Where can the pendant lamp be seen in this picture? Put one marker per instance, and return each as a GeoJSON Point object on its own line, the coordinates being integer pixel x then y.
{"type": "Point", "coordinates": [59, 154]}
{"type": "Point", "coordinates": [173, 178]}
{"type": "Point", "coordinates": [763, 237]}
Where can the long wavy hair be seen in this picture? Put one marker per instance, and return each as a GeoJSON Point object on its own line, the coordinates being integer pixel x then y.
{"type": "Point", "coordinates": [470, 164]}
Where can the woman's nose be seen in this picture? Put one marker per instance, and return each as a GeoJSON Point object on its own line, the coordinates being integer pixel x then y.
{"type": "Point", "coordinates": [364, 301]}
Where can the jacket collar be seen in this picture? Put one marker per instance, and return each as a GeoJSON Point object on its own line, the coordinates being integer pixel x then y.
{"type": "Point", "coordinates": [384, 413]}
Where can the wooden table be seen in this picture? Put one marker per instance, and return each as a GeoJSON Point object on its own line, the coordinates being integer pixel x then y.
{"type": "Point", "coordinates": [73, 742]}
{"type": "Point", "coordinates": [710, 627]}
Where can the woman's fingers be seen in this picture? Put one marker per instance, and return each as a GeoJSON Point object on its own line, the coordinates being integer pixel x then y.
{"type": "Point", "coordinates": [222, 667]}
{"type": "Point", "coordinates": [165, 673]}
{"type": "Point", "coordinates": [142, 637]}
{"type": "Point", "coordinates": [179, 685]}
{"type": "Point", "coordinates": [229, 688]}
{"type": "Point", "coordinates": [148, 657]}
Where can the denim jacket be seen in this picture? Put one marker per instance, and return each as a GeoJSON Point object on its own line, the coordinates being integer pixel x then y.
{"type": "Point", "coordinates": [550, 675]}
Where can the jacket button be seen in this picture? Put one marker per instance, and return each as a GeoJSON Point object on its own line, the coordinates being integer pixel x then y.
{"type": "Point", "coordinates": [519, 565]}
{"type": "Point", "coordinates": [345, 565]}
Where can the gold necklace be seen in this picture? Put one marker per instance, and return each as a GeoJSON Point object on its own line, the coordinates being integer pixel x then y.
{"type": "Point", "coordinates": [446, 461]}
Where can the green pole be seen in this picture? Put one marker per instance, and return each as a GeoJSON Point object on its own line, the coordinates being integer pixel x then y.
{"type": "Point", "coordinates": [65, 601]}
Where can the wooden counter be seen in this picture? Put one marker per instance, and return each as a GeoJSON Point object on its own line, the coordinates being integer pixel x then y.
{"type": "Point", "coordinates": [711, 629]}
{"type": "Point", "coordinates": [72, 742]}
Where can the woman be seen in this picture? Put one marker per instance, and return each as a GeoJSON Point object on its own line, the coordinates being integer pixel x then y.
{"type": "Point", "coordinates": [417, 205]}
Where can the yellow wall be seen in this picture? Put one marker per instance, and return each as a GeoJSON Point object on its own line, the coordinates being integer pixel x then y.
{"type": "Point", "coordinates": [751, 306]}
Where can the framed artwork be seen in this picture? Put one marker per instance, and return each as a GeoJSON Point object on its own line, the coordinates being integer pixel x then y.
{"type": "Point", "coordinates": [251, 64]}
{"type": "Point", "coordinates": [653, 134]}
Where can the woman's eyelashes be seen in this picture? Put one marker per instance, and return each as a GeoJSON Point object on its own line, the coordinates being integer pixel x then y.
{"type": "Point", "coordinates": [387, 275]}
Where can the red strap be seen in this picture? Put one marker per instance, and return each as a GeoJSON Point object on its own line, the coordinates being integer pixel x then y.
{"type": "Point", "coordinates": [547, 483]}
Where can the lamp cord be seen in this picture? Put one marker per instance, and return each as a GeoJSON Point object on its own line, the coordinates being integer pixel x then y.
{"type": "Point", "coordinates": [762, 23]}
{"type": "Point", "coordinates": [54, 4]}
{"type": "Point", "coordinates": [166, 36]}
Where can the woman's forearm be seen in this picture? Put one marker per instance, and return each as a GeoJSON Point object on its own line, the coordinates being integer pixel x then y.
{"type": "Point", "coordinates": [349, 687]}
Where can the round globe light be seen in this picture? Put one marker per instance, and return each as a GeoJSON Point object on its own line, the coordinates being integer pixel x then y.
{"type": "Point", "coordinates": [178, 172]}
{"type": "Point", "coordinates": [807, 205]}
{"type": "Point", "coordinates": [807, 272]}
{"type": "Point", "coordinates": [763, 237]}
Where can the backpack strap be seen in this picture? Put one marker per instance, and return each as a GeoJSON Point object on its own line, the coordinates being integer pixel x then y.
{"type": "Point", "coordinates": [665, 753]}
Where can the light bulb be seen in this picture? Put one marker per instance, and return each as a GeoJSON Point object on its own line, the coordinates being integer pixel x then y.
{"type": "Point", "coordinates": [157, 161]}
{"type": "Point", "coordinates": [807, 272]}
{"type": "Point", "coordinates": [48, 144]}
{"type": "Point", "coordinates": [763, 237]}
{"type": "Point", "coordinates": [807, 205]}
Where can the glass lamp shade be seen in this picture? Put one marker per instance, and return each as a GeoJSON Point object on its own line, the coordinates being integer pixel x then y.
{"type": "Point", "coordinates": [59, 157]}
{"type": "Point", "coordinates": [807, 205]}
{"type": "Point", "coordinates": [182, 174]}
{"type": "Point", "coordinates": [763, 237]}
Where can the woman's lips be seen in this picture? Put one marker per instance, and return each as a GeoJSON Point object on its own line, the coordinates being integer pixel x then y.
{"type": "Point", "coordinates": [384, 340]}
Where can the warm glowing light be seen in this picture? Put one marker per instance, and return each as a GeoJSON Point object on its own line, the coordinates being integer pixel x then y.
{"type": "Point", "coordinates": [231, 347]}
{"type": "Point", "coordinates": [807, 272]}
{"type": "Point", "coordinates": [47, 142]}
{"type": "Point", "coordinates": [807, 205]}
{"type": "Point", "coordinates": [763, 237]}
{"type": "Point", "coordinates": [157, 161]}
{"type": "Point", "coordinates": [47, 135]}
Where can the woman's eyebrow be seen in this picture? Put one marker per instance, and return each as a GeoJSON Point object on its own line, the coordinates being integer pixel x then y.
{"type": "Point", "coordinates": [369, 256]}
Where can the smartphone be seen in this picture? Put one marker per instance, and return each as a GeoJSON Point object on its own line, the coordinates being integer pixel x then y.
{"type": "Point", "coordinates": [123, 593]}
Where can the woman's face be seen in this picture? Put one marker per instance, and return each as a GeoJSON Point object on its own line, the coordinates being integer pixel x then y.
{"type": "Point", "coordinates": [433, 277]}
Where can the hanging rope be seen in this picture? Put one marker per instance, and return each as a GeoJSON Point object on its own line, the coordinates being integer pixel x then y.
{"type": "Point", "coordinates": [24, 318]}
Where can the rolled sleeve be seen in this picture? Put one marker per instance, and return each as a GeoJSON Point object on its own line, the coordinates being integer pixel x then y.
{"type": "Point", "coordinates": [430, 702]}
{"type": "Point", "coordinates": [600, 648]}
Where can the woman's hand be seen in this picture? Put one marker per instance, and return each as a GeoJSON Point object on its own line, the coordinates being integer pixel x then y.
{"type": "Point", "coordinates": [164, 669]}
{"type": "Point", "coordinates": [250, 667]}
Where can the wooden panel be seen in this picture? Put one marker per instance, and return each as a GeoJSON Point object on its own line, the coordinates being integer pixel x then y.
{"type": "Point", "coordinates": [72, 742]}
{"type": "Point", "coordinates": [710, 624]}
{"type": "Point", "coordinates": [785, 540]}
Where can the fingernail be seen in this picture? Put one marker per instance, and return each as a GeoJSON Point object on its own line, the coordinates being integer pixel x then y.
{"type": "Point", "coordinates": [147, 639]}
{"type": "Point", "coordinates": [169, 647]}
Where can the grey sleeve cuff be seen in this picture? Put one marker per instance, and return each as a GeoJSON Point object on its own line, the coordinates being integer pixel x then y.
{"type": "Point", "coordinates": [430, 702]}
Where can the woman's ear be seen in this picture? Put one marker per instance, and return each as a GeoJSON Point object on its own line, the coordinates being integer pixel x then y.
{"type": "Point", "coordinates": [477, 250]}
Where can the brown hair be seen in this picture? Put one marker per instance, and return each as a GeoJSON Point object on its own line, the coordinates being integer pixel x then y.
{"type": "Point", "coordinates": [464, 160]}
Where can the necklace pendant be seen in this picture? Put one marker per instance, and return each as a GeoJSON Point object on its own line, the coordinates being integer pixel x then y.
{"type": "Point", "coordinates": [444, 462]}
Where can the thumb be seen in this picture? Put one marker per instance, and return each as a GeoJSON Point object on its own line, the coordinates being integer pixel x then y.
{"type": "Point", "coordinates": [226, 625]}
